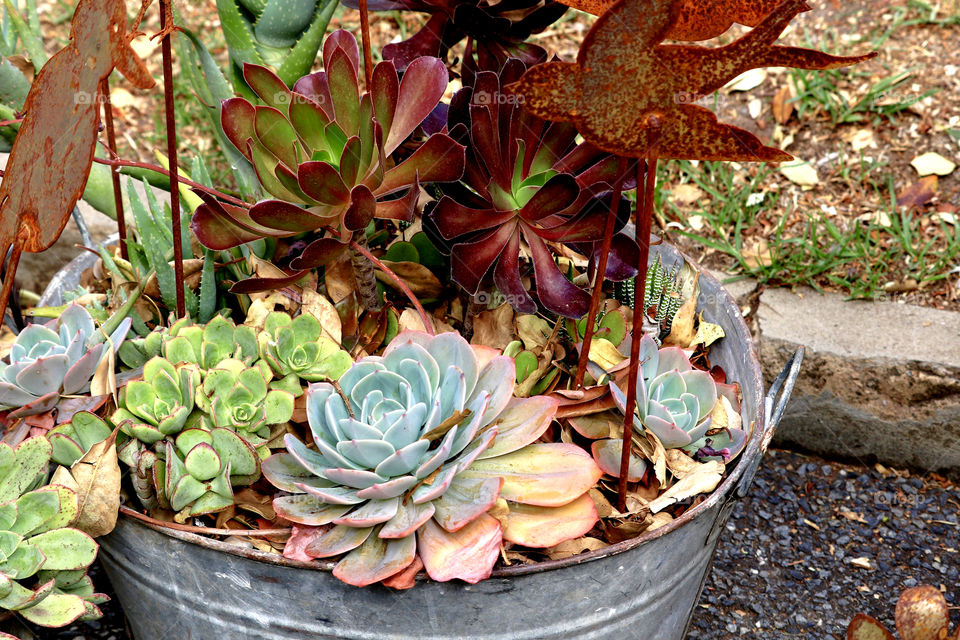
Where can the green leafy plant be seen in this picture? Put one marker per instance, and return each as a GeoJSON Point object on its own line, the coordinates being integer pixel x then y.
{"type": "Point", "coordinates": [420, 446]}
{"type": "Point", "coordinates": [298, 349]}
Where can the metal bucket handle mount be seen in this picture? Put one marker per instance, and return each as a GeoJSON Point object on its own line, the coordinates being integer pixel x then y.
{"type": "Point", "coordinates": [775, 403]}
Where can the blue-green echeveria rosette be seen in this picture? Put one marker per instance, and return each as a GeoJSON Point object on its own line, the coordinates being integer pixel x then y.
{"type": "Point", "coordinates": [55, 359]}
{"type": "Point", "coordinates": [676, 402]}
{"type": "Point", "coordinates": [423, 443]}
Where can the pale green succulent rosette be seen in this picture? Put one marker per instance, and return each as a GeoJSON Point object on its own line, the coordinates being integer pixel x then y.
{"type": "Point", "coordinates": [43, 562]}
{"type": "Point", "coordinates": [422, 444]}
{"type": "Point", "coordinates": [297, 349]}
{"type": "Point", "coordinates": [160, 403]}
{"type": "Point", "coordinates": [209, 345]}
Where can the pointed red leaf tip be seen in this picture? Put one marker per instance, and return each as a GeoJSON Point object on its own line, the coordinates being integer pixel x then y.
{"type": "Point", "coordinates": [627, 92]}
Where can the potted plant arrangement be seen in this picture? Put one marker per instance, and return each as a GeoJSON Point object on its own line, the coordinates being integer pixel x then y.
{"type": "Point", "coordinates": [424, 374]}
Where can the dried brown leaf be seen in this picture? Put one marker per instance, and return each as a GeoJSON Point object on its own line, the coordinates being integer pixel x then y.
{"type": "Point", "coordinates": [96, 480]}
{"type": "Point", "coordinates": [919, 193]}
{"type": "Point", "coordinates": [494, 327]}
{"type": "Point", "coordinates": [420, 279]}
{"type": "Point", "coordinates": [783, 105]}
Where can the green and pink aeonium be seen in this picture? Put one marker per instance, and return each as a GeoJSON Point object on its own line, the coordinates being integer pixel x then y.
{"type": "Point", "coordinates": [425, 452]}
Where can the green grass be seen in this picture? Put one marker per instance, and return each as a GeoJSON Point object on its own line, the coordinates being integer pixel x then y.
{"type": "Point", "coordinates": [855, 258]}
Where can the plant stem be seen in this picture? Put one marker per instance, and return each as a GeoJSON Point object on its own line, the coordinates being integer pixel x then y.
{"type": "Point", "coordinates": [114, 176]}
{"type": "Point", "coordinates": [474, 308]}
{"type": "Point", "coordinates": [363, 272]}
{"type": "Point", "coordinates": [166, 27]}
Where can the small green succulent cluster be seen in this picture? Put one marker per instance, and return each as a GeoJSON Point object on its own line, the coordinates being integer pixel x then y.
{"type": "Point", "coordinates": [208, 406]}
{"type": "Point", "coordinates": [43, 562]}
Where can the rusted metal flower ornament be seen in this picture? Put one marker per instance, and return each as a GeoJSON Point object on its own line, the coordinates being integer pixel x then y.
{"type": "Point", "coordinates": [627, 91]}
{"type": "Point", "coordinates": [53, 151]}
{"type": "Point", "coordinates": [632, 96]}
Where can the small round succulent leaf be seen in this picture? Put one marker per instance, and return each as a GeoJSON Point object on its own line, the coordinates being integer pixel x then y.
{"type": "Point", "coordinates": [146, 433]}
{"type": "Point", "coordinates": [210, 502]}
{"type": "Point", "coordinates": [278, 406]}
{"type": "Point", "coordinates": [65, 549]}
{"type": "Point", "coordinates": [404, 348]}
{"type": "Point", "coordinates": [202, 462]}
{"type": "Point", "coordinates": [174, 420]}
{"type": "Point", "coordinates": [254, 381]}
{"type": "Point", "coordinates": [358, 372]}
{"type": "Point", "coordinates": [522, 422]}
{"type": "Point", "coordinates": [607, 454]}
{"type": "Point", "coordinates": [158, 366]}
{"type": "Point", "coordinates": [541, 527]}
{"type": "Point", "coordinates": [450, 349]}
{"type": "Point", "coordinates": [701, 384]}
{"type": "Point", "coordinates": [66, 450]}
{"type": "Point", "coordinates": [667, 385]}
{"type": "Point", "coordinates": [468, 554]}
{"type": "Point", "coordinates": [389, 383]}
{"type": "Point", "coordinates": [13, 396]}
{"type": "Point", "coordinates": [354, 478]}
{"type": "Point", "coordinates": [465, 501]}
{"type": "Point", "coordinates": [355, 430]}
{"type": "Point", "coordinates": [672, 359]}
{"type": "Point", "coordinates": [179, 349]}
{"type": "Point", "coordinates": [452, 391]}
{"type": "Point", "coordinates": [186, 490]}
{"type": "Point", "coordinates": [190, 438]}
{"type": "Point", "coordinates": [667, 432]}
{"type": "Point", "coordinates": [389, 489]}
{"type": "Point", "coordinates": [332, 495]}
{"type": "Point", "coordinates": [78, 375]}
{"type": "Point", "coordinates": [283, 469]}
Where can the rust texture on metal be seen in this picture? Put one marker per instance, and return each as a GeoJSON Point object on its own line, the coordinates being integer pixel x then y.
{"type": "Point", "coordinates": [52, 153]}
{"type": "Point", "coordinates": [698, 19]}
{"type": "Point", "coordinates": [624, 78]}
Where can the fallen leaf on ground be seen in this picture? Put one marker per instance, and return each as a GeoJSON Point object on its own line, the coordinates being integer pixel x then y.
{"type": "Point", "coordinates": [945, 216]}
{"type": "Point", "coordinates": [707, 333]}
{"type": "Point", "coordinates": [747, 80]}
{"type": "Point", "coordinates": [420, 279]}
{"type": "Point", "coordinates": [575, 547]}
{"type": "Point", "coordinates": [410, 321]}
{"type": "Point", "coordinates": [919, 193]}
{"type": "Point", "coordinates": [783, 105]}
{"type": "Point", "coordinates": [685, 194]}
{"type": "Point", "coordinates": [878, 218]}
{"type": "Point", "coordinates": [96, 480]}
{"type": "Point", "coordinates": [861, 139]}
{"type": "Point", "coordinates": [800, 172]}
{"type": "Point", "coordinates": [757, 254]}
{"type": "Point", "coordinates": [533, 331]}
{"type": "Point", "coordinates": [863, 562]}
{"type": "Point", "coordinates": [932, 163]}
{"type": "Point", "coordinates": [682, 332]}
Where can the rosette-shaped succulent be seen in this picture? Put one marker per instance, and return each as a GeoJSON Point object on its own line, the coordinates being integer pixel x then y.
{"type": "Point", "coordinates": [496, 30]}
{"type": "Point", "coordinates": [43, 562]}
{"type": "Point", "coordinates": [53, 360]}
{"type": "Point", "coordinates": [237, 397]}
{"type": "Point", "coordinates": [160, 403]}
{"type": "Point", "coordinates": [201, 469]}
{"type": "Point", "coordinates": [527, 182]}
{"type": "Point", "coordinates": [298, 349]}
{"type": "Point", "coordinates": [424, 441]}
{"type": "Point", "coordinates": [322, 150]}
{"type": "Point", "coordinates": [210, 344]}
{"type": "Point", "coordinates": [676, 402]}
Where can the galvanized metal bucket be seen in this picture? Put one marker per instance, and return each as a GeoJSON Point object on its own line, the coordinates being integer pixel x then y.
{"type": "Point", "coordinates": [174, 584]}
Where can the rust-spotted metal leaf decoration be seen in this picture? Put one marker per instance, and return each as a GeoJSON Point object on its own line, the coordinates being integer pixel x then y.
{"type": "Point", "coordinates": [698, 19]}
{"type": "Point", "coordinates": [627, 91]}
{"type": "Point", "coordinates": [53, 151]}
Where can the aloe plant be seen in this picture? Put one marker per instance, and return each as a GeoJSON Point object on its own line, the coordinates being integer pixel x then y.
{"type": "Point", "coordinates": [43, 562]}
{"type": "Point", "coordinates": [421, 444]}
{"type": "Point", "coordinates": [47, 362]}
{"type": "Point", "coordinates": [322, 151]}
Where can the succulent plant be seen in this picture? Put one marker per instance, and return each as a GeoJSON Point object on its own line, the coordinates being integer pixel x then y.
{"type": "Point", "coordinates": [210, 344]}
{"type": "Point", "coordinates": [541, 187]}
{"type": "Point", "coordinates": [43, 563]}
{"type": "Point", "coordinates": [73, 439]}
{"type": "Point", "coordinates": [424, 441]}
{"type": "Point", "coordinates": [321, 149]}
{"type": "Point", "coordinates": [49, 361]}
{"type": "Point", "coordinates": [200, 469]}
{"type": "Point", "coordinates": [496, 30]}
{"type": "Point", "coordinates": [237, 397]}
{"type": "Point", "coordinates": [676, 402]}
{"type": "Point", "coordinates": [297, 348]}
{"type": "Point", "coordinates": [160, 403]}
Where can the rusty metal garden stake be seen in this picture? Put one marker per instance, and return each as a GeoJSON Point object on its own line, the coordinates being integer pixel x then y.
{"type": "Point", "coordinates": [365, 40]}
{"type": "Point", "coordinates": [601, 270]}
{"type": "Point", "coordinates": [114, 175]}
{"type": "Point", "coordinates": [648, 179]}
{"type": "Point", "coordinates": [166, 28]}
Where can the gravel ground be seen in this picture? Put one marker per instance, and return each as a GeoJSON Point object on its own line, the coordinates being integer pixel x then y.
{"type": "Point", "coordinates": [817, 541]}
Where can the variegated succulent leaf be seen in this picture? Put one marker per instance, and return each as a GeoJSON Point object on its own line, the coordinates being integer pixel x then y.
{"type": "Point", "coordinates": [47, 362]}
{"type": "Point", "coordinates": [413, 448]}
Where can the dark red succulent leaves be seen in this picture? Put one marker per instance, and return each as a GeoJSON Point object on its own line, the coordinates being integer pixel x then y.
{"type": "Point", "coordinates": [495, 31]}
{"type": "Point", "coordinates": [323, 149]}
{"type": "Point", "coordinates": [526, 180]}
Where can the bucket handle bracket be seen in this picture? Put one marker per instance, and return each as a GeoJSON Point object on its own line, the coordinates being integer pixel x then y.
{"type": "Point", "coordinates": [774, 405]}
